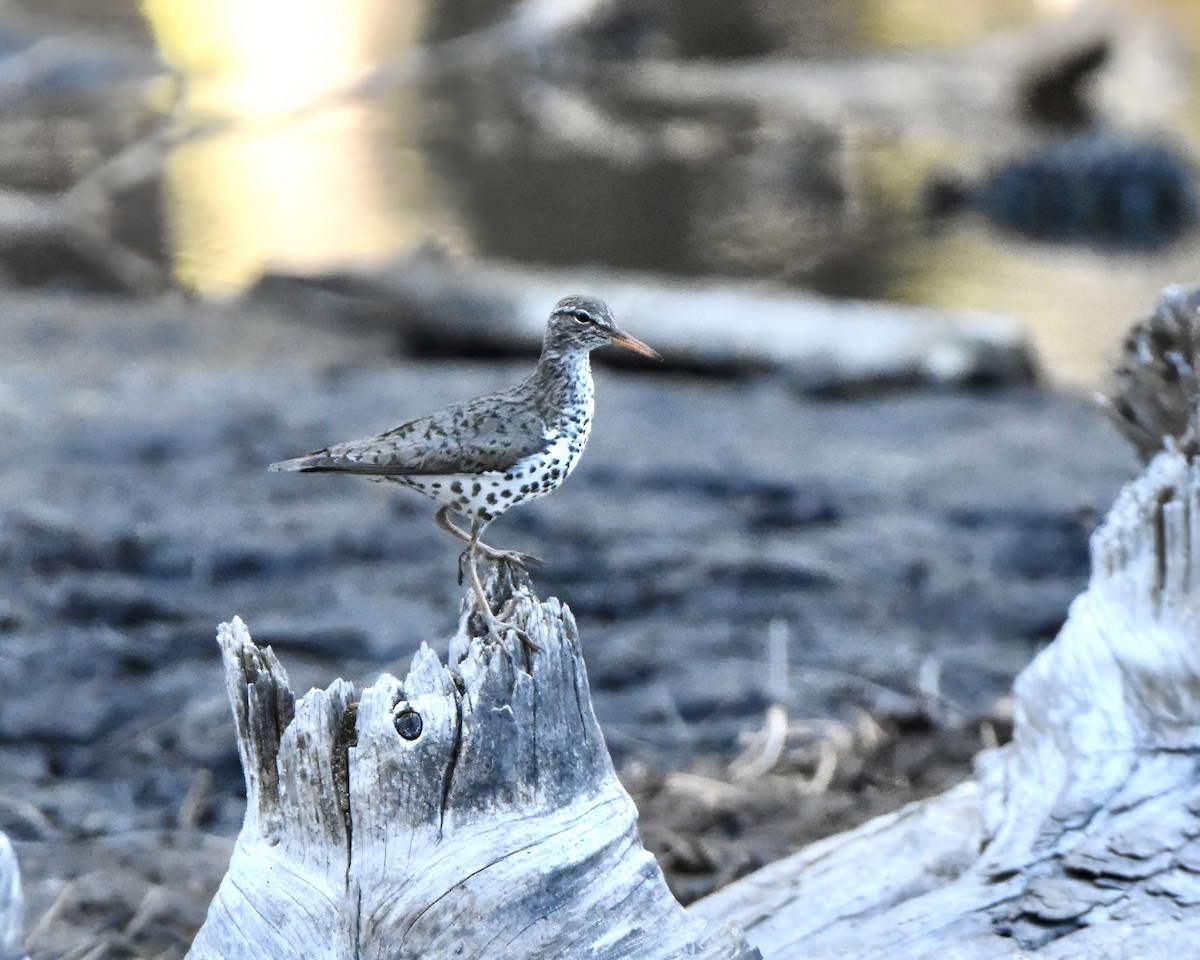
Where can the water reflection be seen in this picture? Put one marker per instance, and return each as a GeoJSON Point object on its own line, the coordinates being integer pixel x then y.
{"type": "Point", "coordinates": [567, 163]}
{"type": "Point", "coordinates": [916, 24]}
{"type": "Point", "coordinates": [1078, 302]}
{"type": "Point", "coordinates": [291, 174]}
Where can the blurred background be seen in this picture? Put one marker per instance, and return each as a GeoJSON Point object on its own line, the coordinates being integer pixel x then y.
{"type": "Point", "coordinates": [878, 149]}
{"type": "Point", "coordinates": [887, 248]}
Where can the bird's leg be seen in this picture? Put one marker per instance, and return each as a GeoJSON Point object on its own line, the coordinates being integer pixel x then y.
{"type": "Point", "coordinates": [496, 625]}
{"type": "Point", "coordinates": [491, 554]}
{"type": "Point", "coordinates": [442, 519]}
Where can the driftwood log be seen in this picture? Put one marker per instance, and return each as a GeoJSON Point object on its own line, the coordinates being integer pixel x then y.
{"type": "Point", "coordinates": [468, 811]}
{"type": "Point", "coordinates": [1078, 838]}
{"type": "Point", "coordinates": [10, 903]}
{"type": "Point", "coordinates": [433, 303]}
{"type": "Point", "coordinates": [1081, 838]}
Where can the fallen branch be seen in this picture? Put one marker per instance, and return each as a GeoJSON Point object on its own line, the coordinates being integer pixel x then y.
{"type": "Point", "coordinates": [438, 305]}
{"type": "Point", "coordinates": [79, 220]}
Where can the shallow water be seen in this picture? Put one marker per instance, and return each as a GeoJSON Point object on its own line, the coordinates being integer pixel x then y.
{"type": "Point", "coordinates": [305, 171]}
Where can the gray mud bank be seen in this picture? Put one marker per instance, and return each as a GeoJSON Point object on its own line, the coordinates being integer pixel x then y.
{"type": "Point", "coordinates": [914, 548]}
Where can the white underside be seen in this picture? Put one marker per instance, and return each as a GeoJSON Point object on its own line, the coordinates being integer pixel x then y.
{"type": "Point", "coordinates": [476, 488]}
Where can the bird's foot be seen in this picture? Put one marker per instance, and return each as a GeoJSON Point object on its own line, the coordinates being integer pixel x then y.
{"type": "Point", "coordinates": [515, 557]}
{"type": "Point", "coordinates": [505, 616]}
{"type": "Point", "coordinates": [497, 624]}
{"type": "Point", "coordinates": [498, 627]}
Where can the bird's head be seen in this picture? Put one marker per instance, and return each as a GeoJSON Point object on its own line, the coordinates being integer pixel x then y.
{"type": "Point", "coordinates": [584, 323]}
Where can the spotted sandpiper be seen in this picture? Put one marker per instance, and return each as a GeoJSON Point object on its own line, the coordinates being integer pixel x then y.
{"type": "Point", "coordinates": [483, 456]}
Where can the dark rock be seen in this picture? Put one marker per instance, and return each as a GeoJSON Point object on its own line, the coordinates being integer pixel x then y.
{"type": "Point", "coordinates": [616, 598]}
{"type": "Point", "coordinates": [1101, 189]}
{"type": "Point", "coordinates": [628, 673]}
{"type": "Point", "coordinates": [10, 618]}
{"type": "Point", "coordinates": [252, 561]}
{"type": "Point", "coordinates": [703, 705]}
{"type": "Point", "coordinates": [767, 504]}
{"type": "Point", "coordinates": [769, 576]}
{"type": "Point", "coordinates": [137, 653]}
{"type": "Point", "coordinates": [50, 546]}
{"type": "Point", "coordinates": [119, 608]}
{"type": "Point", "coordinates": [1035, 554]}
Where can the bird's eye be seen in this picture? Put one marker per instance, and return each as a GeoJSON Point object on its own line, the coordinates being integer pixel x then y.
{"type": "Point", "coordinates": [582, 317]}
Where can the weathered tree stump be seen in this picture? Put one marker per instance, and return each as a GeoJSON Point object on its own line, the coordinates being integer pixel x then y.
{"type": "Point", "coordinates": [10, 903]}
{"type": "Point", "coordinates": [469, 811]}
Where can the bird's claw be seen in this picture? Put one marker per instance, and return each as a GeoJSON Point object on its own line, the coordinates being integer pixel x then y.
{"type": "Point", "coordinates": [497, 628]}
{"type": "Point", "coordinates": [498, 625]}
{"type": "Point", "coordinates": [513, 557]}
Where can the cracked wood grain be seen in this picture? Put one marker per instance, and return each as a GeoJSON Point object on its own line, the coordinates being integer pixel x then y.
{"type": "Point", "coordinates": [10, 903]}
{"type": "Point", "coordinates": [468, 811]}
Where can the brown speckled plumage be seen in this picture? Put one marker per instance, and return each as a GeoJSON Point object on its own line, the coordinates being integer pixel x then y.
{"type": "Point", "coordinates": [480, 457]}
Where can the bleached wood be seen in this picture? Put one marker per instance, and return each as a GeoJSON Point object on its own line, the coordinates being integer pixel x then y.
{"type": "Point", "coordinates": [10, 903]}
{"type": "Point", "coordinates": [500, 831]}
{"type": "Point", "coordinates": [1079, 839]}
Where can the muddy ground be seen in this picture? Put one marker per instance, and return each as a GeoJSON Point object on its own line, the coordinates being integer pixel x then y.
{"type": "Point", "coordinates": [880, 566]}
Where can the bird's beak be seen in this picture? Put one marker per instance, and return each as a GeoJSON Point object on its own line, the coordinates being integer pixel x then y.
{"type": "Point", "coordinates": [619, 338]}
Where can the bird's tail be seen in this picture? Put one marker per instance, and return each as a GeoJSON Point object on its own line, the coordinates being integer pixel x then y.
{"type": "Point", "coordinates": [325, 461]}
{"type": "Point", "coordinates": [299, 464]}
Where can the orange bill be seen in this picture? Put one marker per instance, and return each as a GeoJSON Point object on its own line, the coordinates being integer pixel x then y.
{"type": "Point", "coordinates": [622, 339]}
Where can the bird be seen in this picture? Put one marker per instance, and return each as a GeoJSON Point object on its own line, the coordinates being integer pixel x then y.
{"type": "Point", "coordinates": [479, 458]}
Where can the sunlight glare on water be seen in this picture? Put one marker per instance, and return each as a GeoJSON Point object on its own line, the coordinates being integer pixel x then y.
{"type": "Point", "coordinates": [290, 175]}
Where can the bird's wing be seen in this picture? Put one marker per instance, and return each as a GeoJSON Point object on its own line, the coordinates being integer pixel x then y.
{"type": "Point", "coordinates": [491, 433]}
